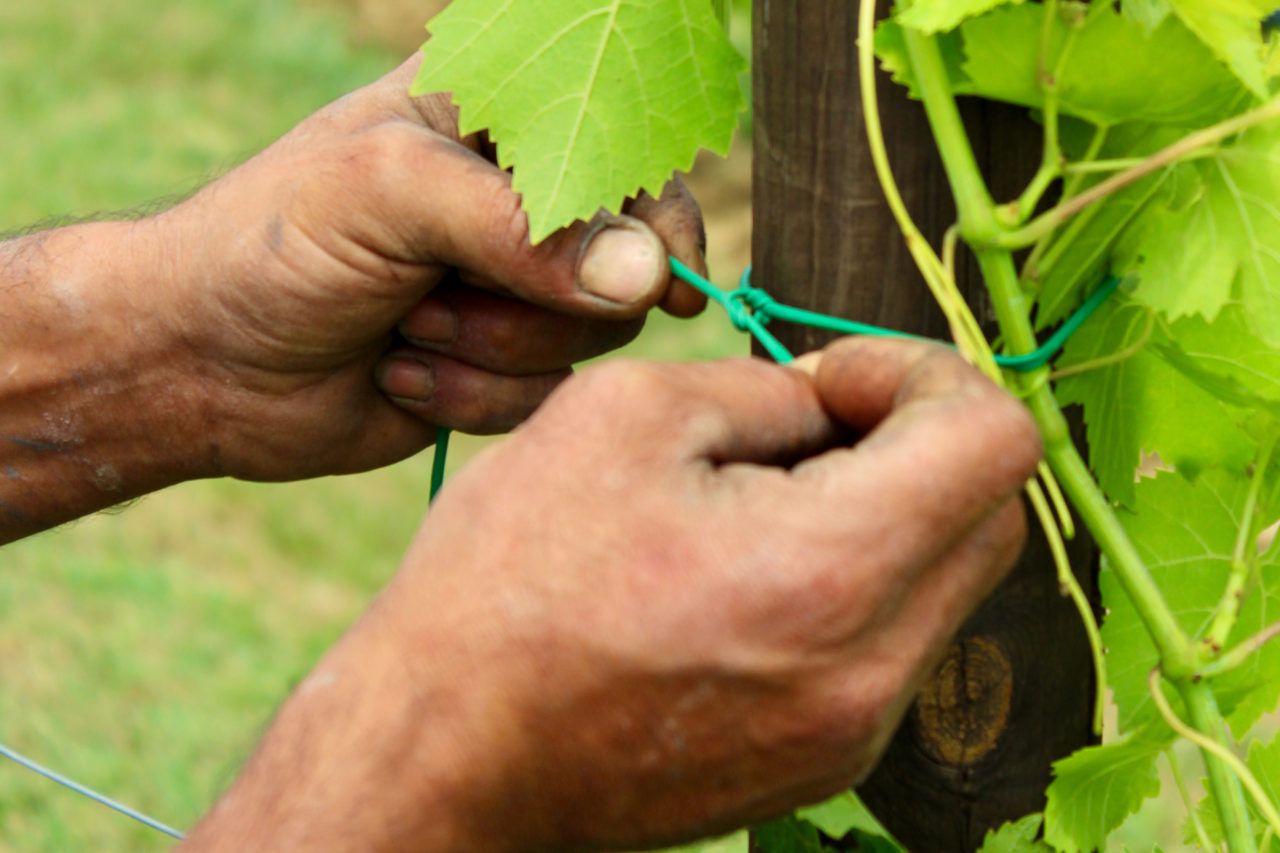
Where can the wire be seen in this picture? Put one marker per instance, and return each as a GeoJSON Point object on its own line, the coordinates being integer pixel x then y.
{"type": "Point", "coordinates": [750, 308]}
{"type": "Point", "coordinates": [88, 792]}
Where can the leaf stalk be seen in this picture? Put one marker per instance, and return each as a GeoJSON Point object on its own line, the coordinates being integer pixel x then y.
{"type": "Point", "coordinates": [1244, 556]}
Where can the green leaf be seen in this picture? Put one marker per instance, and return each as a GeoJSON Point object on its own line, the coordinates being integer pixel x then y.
{"type": "Point", "coordinates": [1227, 360]}
{"type": "Point", "coordinates": [590, 101]}
{"type": "Point", "coordinates": [1085, 260]}
{"type": "Point", "coordinates": [843, 814]}
{"type": "Point", "coordinates": [1016, 837]}
{"type": "Point", "coordinates": [933, 16]}
{"type": "Point", "coordinates": [1233, 31]}
{"type": "Point", "coordinates": [1116, 73]}
{"type": "Point", "coordinates": [788, 835]}
{"type": "Point", "coordinates": [1085, 249]}
{"type": "Point", "coordinates": [1264, 761]}
{"type": "Point", "coordinates": [1215, 238]}
{"type": "Point", "coordinates": [1148, 14]}
{"type": "Point", "coordinates": [1186, 533]}
{"type": "Point", "coordinates": [1096, 788]}
{"type": "Point", "coordinates": [1140, 404]}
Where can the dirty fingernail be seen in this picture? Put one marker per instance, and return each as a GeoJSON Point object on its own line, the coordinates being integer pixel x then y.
{"type": "Point", "coordinates": [623, 263]}
{"type": "Point", "coordinates": [412, 380]}
{"type": "Point", "coordinates": [432, 321]}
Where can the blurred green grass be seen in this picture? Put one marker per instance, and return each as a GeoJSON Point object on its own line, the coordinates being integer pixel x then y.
{"type": "Point", "coordinates": [143, 651]}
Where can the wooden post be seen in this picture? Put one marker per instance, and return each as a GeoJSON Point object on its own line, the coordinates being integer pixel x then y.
{"type": "Point", "coordinates": [1016, 689]}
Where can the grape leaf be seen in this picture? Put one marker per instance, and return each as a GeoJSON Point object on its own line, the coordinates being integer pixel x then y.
{"type": "Point", "coordinates": [1264, 761]}
{"type": "Point", "coordinates": [1227, 360]}
{"type": "Point", "coordinates": [1141, 403]}
{"type": "Point", "coordinates": [843, 814]}
{"type": "Point", "coordinates": [1166, 77]}
{"type": "Point", "coordinates": [1016, 837]}
{"type": "Point", "coordinates": [589, 100]}
{"type": "Point", "coordinates": [933, 16]}
{"type": "Point", "coordinates": [1090, 243]}
{"type": "Point", "coordinates": [1190, 565]}
{"type": "Point", "coordinates": [1146, 13]}
{"type": "Point", "coordinates": [1085, 259]}
{"type": "Point", "coordinates": [1217, 234]}
{"type": "Point", "coordinates": [1094, 789]}
{"type": "Point", "coordinates": [1233, 31]}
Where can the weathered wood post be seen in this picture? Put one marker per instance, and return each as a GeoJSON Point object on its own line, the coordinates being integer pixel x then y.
{"type": "Point", "coordinates": [1015, 691]}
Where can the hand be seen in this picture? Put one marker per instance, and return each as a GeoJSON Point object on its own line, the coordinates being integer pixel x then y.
{"type": "Point", "coordinates": [374, 216]}
{"type": "Point", "coordinates": [674, 603]}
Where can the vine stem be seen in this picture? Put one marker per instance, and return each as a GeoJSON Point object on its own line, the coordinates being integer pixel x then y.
{"type": "Point", "coordinates": [1241, 652]}
{"type": "Point", "coordinates": [1180, 150]}
{"type": "Point", "coordinates": [1200, 702]}
{"type": "Point", "coordinates": [973, 201]}
{"type": "Point", "coordinates": [1243, 557]}
{"type": "Point", "coordinates": [1046, 251]}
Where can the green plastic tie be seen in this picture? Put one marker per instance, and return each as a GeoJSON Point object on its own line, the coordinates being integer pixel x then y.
{"type": "Point", "coordinates": [750, 309]}
{"type": "Point", "coordinates": [438, 463]}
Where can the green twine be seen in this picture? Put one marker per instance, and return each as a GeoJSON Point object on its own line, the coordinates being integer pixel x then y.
{"type": "Point", "coordinates": [437, 464]}
{"type": "Point", "coordinates": [750, 309]}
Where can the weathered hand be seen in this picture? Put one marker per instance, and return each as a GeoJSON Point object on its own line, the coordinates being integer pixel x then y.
{"type": "Point", "coordinates": [675, 602]}
{"type": "Point", "coordinates": [296, 270]}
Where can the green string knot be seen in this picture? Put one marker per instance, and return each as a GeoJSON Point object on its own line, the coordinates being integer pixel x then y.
{"type": "Point", "coordinates": [748, 306]}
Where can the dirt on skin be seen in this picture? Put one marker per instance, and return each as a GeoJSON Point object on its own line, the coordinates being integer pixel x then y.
{"type": "Point", "coordinates": [722, 187]}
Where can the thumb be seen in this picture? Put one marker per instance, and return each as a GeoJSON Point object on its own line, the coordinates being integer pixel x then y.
{"type": "Point", "coordinates": [470, 219]}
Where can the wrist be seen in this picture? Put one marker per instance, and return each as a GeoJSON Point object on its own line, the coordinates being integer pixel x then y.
{"type": "Point", "coordinates": [98, 401]}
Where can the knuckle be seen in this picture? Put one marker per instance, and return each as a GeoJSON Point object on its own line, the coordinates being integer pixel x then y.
{"type": "Point", "coordinates": [380, 153]}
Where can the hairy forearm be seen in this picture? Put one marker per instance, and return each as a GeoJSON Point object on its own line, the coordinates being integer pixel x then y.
{"type": "Point", "coordinates": [98, 402]}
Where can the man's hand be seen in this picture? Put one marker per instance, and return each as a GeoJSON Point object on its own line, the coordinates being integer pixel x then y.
{"type": "Point", "coordinates": [374, 215]}
{"type": "Point", "coordinates": [322, 309]}
{"type": "Point", "coordinates": [679, 600]}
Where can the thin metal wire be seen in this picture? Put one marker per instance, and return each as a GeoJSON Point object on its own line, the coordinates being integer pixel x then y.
{"type": "Point", "coordinates": [88, 792]}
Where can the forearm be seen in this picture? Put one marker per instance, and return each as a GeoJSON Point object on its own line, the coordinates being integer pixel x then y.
{"type": "Point", "coordinates": [373, 755]}
{"type": "Point", "coordinates": [98, 402]}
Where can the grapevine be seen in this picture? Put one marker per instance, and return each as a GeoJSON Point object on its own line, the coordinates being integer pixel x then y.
{"type": "Point", "coordinates": [1161, 167]}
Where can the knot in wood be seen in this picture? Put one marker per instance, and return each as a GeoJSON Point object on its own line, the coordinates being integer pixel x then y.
{"type": "Point", "coordinates": [964, 707]}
